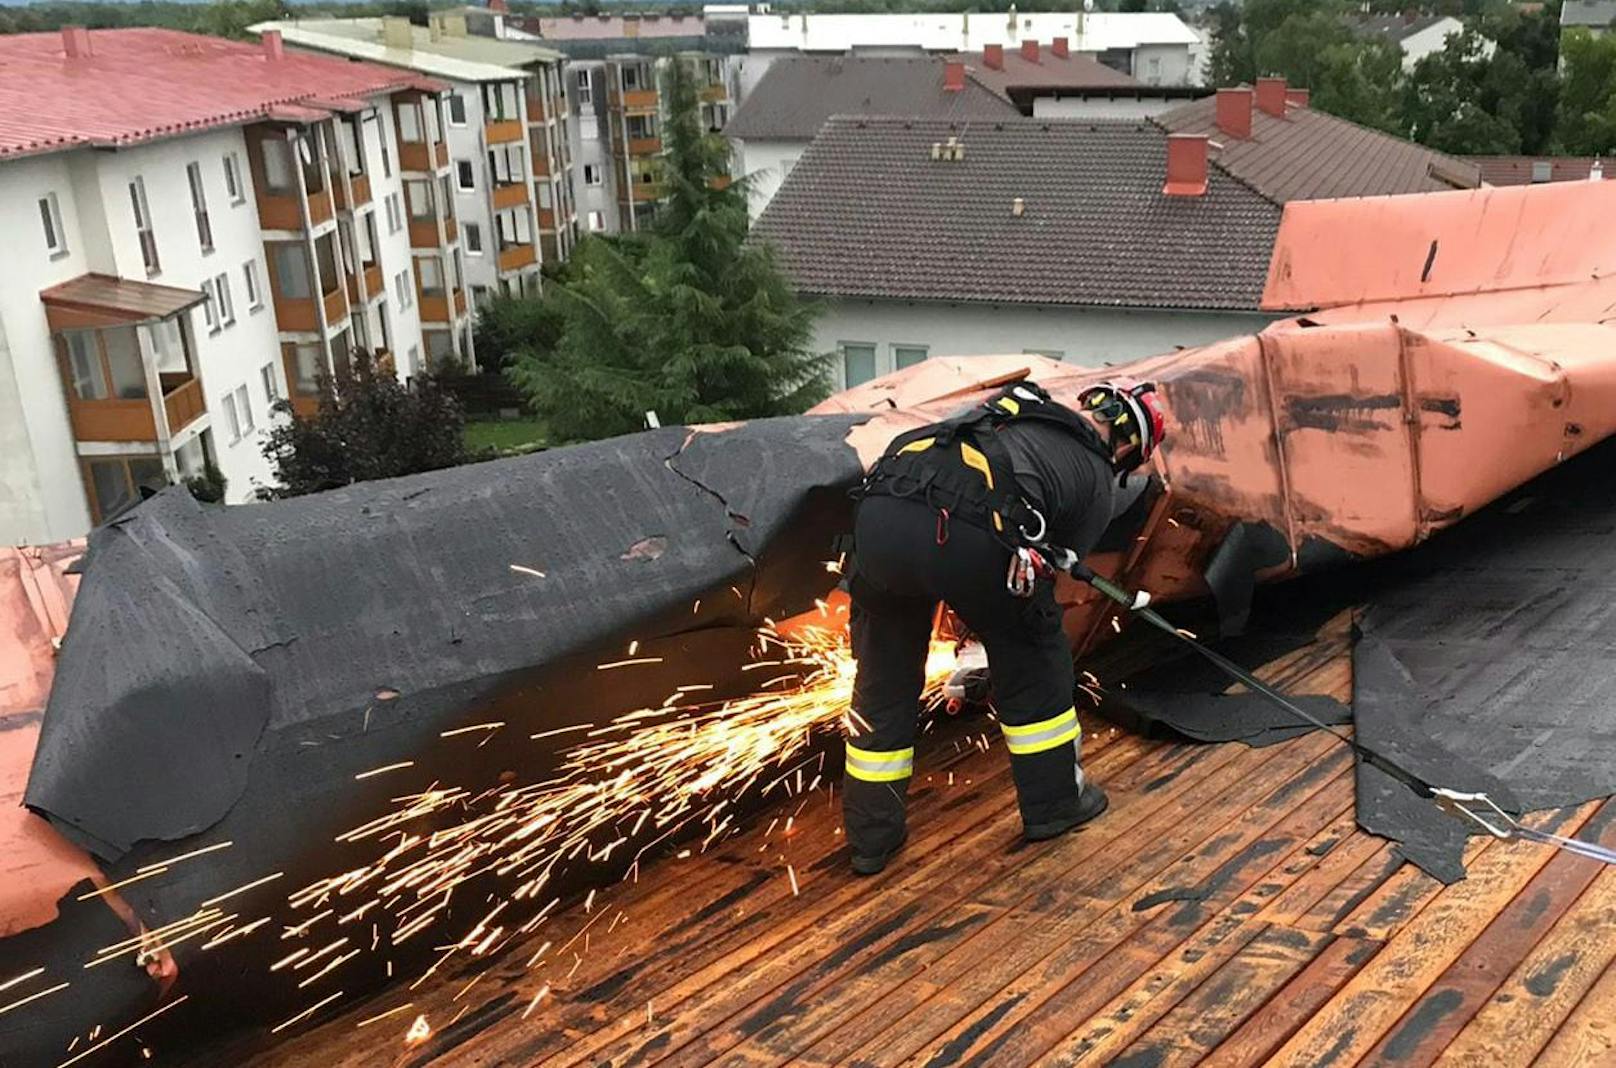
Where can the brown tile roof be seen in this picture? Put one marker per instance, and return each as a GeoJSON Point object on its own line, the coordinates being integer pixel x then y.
{"type": "Point", "coordinates": [1517, 170]}
{"type": "Point", "coordinates": [1312, 155]}
{"type": "Point", "coordinates": [122, 298]}
{"type": "Point", "coordinates": [797, 94]}
{"type": "Point", "coordinates": [1049, 73]}
{"type": "Point", "coordinates": [867, 212]}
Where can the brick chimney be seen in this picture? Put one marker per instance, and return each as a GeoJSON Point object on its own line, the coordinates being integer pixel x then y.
{"type": "Point", "coordinates": [1271, 96]}
{"type": "Point", "coordinates": [274, 47]}
{"type": "Point", "coordinates": [1298, 98]}
{"type": "Point", "coordinates": [954, 76]}
{"type": "Point", "coordinates": [1234, 112]}
{"type": "Point", "coordinates": [1057, 47]}
{"type": "Point", "coordinates": [993, 56]}
{"type": "Point", "coordinates": [499, 7]}
{"type": "Point", "coordinates": [76, 42]}
{"type": "Point", "coordinates": [1029, 51]}
{"type": "Point", "coordinates": [1186, 165]}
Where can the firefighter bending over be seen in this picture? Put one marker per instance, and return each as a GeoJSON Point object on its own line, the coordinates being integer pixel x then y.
{"type": "Point", "coordinates": [953, 512]}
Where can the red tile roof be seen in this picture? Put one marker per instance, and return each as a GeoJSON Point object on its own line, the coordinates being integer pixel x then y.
{"type": "Point", "coordinates": [144, 84]}
{"type": "Point", "coordinates": [1049, 73]}
{"type": "Point", "coordinates": [1517, 170]}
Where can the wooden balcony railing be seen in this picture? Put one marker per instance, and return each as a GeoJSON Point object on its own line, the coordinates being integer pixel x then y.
{"type": "Point", "coordinates": [712, 94]}
{"type": "Point", "coordinates": [336, 306]}
{"type": "Point", "coordinates": [321, 207]}
{"type": "Point", "coordinates": [416, 156]}
{"type": "Point", "coordinates": [515, 257]}
{"type": "Point", "coordinates": [361, 193]}
{"type": "Point", "coordinates": [634, 100]}
{"type": "Point", "coordinates": [183, 401]}
{"type": "Point", "coordinates": [500, 132]}
{"type": "Point", "coordinates": [296, 315]}
{"type": "Point", "coordinates": [279, 212]}
{"type": "Point", "coordinates": [510, 195]}
{"type": "Point", "coordinates": [434, 308]}
{"type": "Point", "coordinates": [644, 146]}
{"type": "Point", "coordinates": [423, 233]}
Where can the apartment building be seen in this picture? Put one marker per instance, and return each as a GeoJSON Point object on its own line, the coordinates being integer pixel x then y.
{"type": "Point", "coordinates": [505, 127]}
{"type": "Point", "coordinates": [614, 74]}
{"type": "Point", "coordinates": [198, 228]}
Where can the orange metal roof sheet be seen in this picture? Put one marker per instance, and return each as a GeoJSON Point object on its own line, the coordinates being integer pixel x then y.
{"type": "Point", "coordinates": [1535, 252]}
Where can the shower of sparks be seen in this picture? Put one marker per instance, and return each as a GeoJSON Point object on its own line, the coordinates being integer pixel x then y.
{"type": "Point", "coordinates": [647, 778]}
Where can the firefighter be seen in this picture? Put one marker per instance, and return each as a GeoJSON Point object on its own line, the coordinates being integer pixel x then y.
{"type": "Point", "coordinates": [956, 512]}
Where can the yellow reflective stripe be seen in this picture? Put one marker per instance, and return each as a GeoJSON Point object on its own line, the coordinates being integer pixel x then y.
{"type": "Point", "coordinates": [917, 446]}
{"type": "Point", "coordinates": [974, 459]}
{"type": "Point", "coordinates": [1010, 404]}
{"type": "Point", "coordinates": [880, 766]}
{"type": "Point", "coordinates": [1045, 734]}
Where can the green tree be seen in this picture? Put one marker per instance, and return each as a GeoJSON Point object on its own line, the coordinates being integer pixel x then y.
{"type": "Point", "coordinates": [688, 319]}
{"type": "Point", "coordinates": [1465, 101]}
{"type": "Point", "coordinates": [1587, 113]}
{"type": "Point", "coordinates": [508, 324]}
{"type": "Point", "coordinates": [371, 426]}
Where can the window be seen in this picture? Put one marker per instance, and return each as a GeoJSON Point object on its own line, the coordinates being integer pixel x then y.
{"type": "Point", "coordinates": [514, 227]}
{"type": "Point", "coordinates": [714, 116]}
{"type": "Point", "coordinates": [858, 363]}
{"type": "Point", "coordinates": [143, 225]}
{"type": "Point", "coordinates": [50, 215]}
{"type": "Point", "coordinates": [1542, 170]}
{"type": "Point", "coordinates": [232, 418]}
{"type": "Point", "coordinates": [289, 261]}
{"type": "Point", "coordinates": [439, 347]}
{"type": "Point", "coordinates": [272, 384]}
{"type": "Point", "coordinates": [387, 157]}
{"type": "Point", "coordinates": [278, 173]}
{"type": "Point", "coordinates": [383, 319]}
{"type": "Point", "coordinates": [367, 239]}
{"type": "Point", "coordinates": [474, 238]}
{"type": "Point", "coordinates": [589, 131]}
{"type": "Point", "coordinates": [325, 257]}
{"type": "Point", "coordinates": [479, 295]}
{"type": "Point", "coordinates": [418, 194]}
{"type": "Point", "coordinates": [410, 128]}
{"type": "Point", "coordinates": [448, 198]}
{"type": "Point", "coordinates": [464, 176]}
{"type": "Point", "coordinates": [597, 222]}
{"type": "Point", "coordinates": [430, 269]}
{"type": "Point", "coordinates": [405, 291]}
{"type": "Point", "coordinates": [227, 307]}
{"type": "Point", "coordinates": [592, 175]}
{"type": "Point", "coordinates": [586, 92]}
{"type": "Point", "coordinates": [308, 151]}
{"type": "Point", "coordinates": [457, 109]}
{"type": "Point", "coordinates": [505, 164]}
{"type": "Point", "coordinates": [255, 291]}
{"type": "Point", "coordinates": [434, 127]}
{"type": "Point", "coordinates": [244, 409]}
{"type": "Point", "coordinates": [308, 362]}
{"type": "Point", "coordinates": [351, 136]}
{"type": "Point", "coordinates": [395, 213]}
{"type": "Point", "coordinates": [499, 101]}
{"type": "Point", "coordinates": [105, 364]}
{"type": "Point", "coordinates": [232, 178]}
{"type": "Point", "coordinates": [199, 205]}
{"type": "Point", "coordinates": [118, 483]}
{"type": "Point", "coordinates": [1154, 77]}
{"type": "Point", "coordinates": [546, 197]}
{"type": "Point", "coordinates": [908, 355]}
{"type": "Point", "coordinates": [642, 126]}
{"type": "Point", "coordinates": [210, 306]}
{"type": "Point", "coordinates": [412, 361]}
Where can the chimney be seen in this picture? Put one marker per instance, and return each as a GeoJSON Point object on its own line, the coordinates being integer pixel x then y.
{"type": "Point", "coordinates": [954, 76]}
{"type": "Point", "coordinates": [76, 42]}
{"type": "Point", "coordinates": [993, 56]}
{"type": "Point", "coordinates": [397, 32]}
{"type": "Point", "coordinates": [1298, 98]}
{"type": "Point", "coordinates": [499, 7]}
{"type": "Point", "coordinates": [274, 47]}
{"type": "Point", "coordinates": [1057, 47]}
{"type": "Point", "coordinates": [1186, 165]}
{"type": "Point", "coordinates": [1029, 51]}
{"type": "Point", "coordinates": [1234, 112]}
{"type": "Point", "coordinates": [1271, 96]}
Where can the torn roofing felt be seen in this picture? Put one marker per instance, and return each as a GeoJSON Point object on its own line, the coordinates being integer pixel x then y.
{"type": "Point", "coordinates": [197, 631]}
{"type": "Point", "coordinates": [1489, 661]}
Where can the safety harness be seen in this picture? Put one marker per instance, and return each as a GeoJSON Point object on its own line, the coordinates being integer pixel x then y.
{"type": "Point", "coordinates": [961, 468]}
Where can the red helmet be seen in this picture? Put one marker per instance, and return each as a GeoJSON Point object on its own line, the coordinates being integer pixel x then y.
{"type": "Point", "coordinates": [1134, 416]}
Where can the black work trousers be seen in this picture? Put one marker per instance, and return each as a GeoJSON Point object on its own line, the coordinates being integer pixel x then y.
{"type": "Point", "coordinates": [905, 563]}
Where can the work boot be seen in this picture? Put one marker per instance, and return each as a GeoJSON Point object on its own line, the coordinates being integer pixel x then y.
{"type": "Point", "coordinates": [873, 865]}
{"type": "Point", "coordinates": [1090, 803]}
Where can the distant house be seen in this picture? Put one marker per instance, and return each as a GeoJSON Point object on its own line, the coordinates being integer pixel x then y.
{"type": "Point", "coordinates": [1087, 240]}
{"type": "Point", "coordinates": [1052, 81]}
{"type": "Point", "coordinates": [1082, 240]}
{"type": "Point", "coordinates": [1535, 170]}
{"type": "Point", "coordinates": [1273, 142]}
{"type": "Point", "coordinates": [1416, 35]}
{"type": "Point", "coordinates": [1598, 17]}
{"type": "Point", "coordinates": [787, 108]}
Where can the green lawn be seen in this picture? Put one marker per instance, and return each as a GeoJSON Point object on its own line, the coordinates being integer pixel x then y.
{"type": "Point", "coordinates": [501, 434]}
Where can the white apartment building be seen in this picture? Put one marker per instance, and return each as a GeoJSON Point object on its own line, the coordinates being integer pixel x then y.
{"type": "Point", "coordinates": [191, 240]}
{"type": "Point", "coordinates": [1155, 48]}
{"type": "Point", "coordinates": [506, 127]}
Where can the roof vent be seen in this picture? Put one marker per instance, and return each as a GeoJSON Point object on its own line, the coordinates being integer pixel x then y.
{"type": "Point", "coordinates": [76, 42]}
{"type": "Point", "coordinates": [952, 150]}
{"type": "Point", "coordinates": [1018, 207]}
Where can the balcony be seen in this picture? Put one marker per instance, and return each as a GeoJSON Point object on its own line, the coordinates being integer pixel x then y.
{"type": "Point", "coordinates": [321, 207]}
{"type": "Point", "coordinates": [515, 257]}
{"type": "Point", "coordinates": [644, 146]}
{"type": "Point", "coordinates": [336, 306]}
{"type": "Point", "coordinates": [114, 338]}
{"type": "Point", "coordinates": [279, 211]}
{"type": "Point", "coordinates": [361, 193]}
{"type": "Point", "coordinates": [423, 233]}
{"type": "Point", "coordinates": [502, 131]}
{"type": "Point", "coordinates": [510, 195]}
{"type": "Point", "coordinates": [547, 219]}
{"type": "Point", "coordinates": [634, 100]}
{"type": "Point", "coordinates": [419, 157]}
{"type": "Point", "coordinates": [434, 307]}
{"type": "Point", "coordinates": [715, 93]}
{"type": "Point", "coordinates": [371, 276]}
